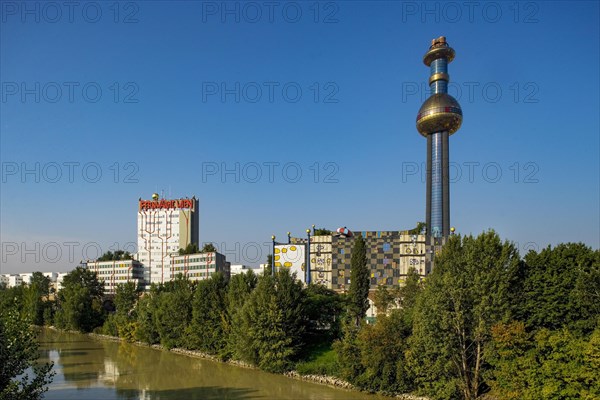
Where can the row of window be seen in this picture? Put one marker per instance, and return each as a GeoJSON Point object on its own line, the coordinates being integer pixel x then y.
{"type": "Point", "coordinates": [192, 260]}
{"type": "Point", "coordinates": [115, 272]}
{"type": "Point", "coordinates": [195, 267]}
{"type": "Point", "coordinates": [199, 274]}
{"type": "Point", "coordinates": [109, 283]}
{"type": "Point", "coordinates": [109, 266]}
{"type": "Point", "coordinates": [168, 247]}
{"type": "Point", "coordinates": [116, 278]}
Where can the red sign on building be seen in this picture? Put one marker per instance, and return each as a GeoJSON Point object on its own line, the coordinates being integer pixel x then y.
{"type": "Point", "coordinates": [166, 204]}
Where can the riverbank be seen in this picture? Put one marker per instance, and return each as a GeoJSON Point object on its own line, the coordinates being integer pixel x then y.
{"type": "Point", "coordinates": [330, 381]}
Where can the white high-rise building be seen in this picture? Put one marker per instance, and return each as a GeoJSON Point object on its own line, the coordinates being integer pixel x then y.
{"type": "Point", "coordinates": [164, 226]}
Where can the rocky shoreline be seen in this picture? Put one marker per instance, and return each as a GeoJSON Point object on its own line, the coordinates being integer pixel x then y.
{"type": "Point", "coordinates": [331, 381]}
{"type": "Point", "coordinates": [322, 379]}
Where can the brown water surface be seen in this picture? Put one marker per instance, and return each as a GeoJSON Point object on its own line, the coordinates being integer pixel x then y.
{"type": "Point", "coordinates": [88, 369]}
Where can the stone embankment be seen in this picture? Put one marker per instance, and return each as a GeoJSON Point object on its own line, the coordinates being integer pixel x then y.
{"type": "Point", "coordinates": [340, 383]}
{"type": "Point", "coordinates": [322, 379]}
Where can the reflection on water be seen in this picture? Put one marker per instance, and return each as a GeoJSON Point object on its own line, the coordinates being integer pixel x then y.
{"type": "Point", "coordinates": [97, 369]}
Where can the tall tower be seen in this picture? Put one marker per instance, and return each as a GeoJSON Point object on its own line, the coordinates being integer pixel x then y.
{"type": "Point", "coordinates": [164, 226]}
{"type": "Point", "coordinates": [439, 117]}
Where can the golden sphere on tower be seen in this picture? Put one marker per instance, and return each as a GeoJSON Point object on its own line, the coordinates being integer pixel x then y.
{"type": "Point", "coordinates": [155, 196]}
{"type": "Point", "coordinates": [440, 112]}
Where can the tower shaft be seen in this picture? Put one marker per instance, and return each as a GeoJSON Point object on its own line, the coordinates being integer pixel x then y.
{"type": "Point", "coordinates": [439, 117]}
{"type": "Point", "coordinates": [438, 177]}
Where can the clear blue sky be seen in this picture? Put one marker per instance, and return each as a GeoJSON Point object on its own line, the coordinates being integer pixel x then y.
{"type": "Point", "coordinates": [526, 75]}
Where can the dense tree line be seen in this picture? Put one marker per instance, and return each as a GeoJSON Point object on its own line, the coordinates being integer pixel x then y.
{"type": "Point", "coordinates": [268, 321]}
{"type": "Point", "coordinates": [486, 323]}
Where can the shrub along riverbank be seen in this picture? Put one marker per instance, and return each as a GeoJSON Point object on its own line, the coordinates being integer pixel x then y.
{"type": "Point", "coordinates": [485, 322]}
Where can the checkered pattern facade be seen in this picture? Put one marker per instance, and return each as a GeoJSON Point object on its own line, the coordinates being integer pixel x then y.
{"type": "Point", "coordinates": [390, 255]}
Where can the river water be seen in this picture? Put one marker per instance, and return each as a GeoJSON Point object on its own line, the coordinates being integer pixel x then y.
{"type": "Point", "coordinates": [88, 369]}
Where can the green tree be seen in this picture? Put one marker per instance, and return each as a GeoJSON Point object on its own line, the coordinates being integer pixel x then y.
{"type": "Point", "coordinates": [123, 322]}
{"type": "Point", "coordinates": [373, 356]}
{"type": "Point", "coordinates": [208, 248]}
{"type": "Point", "coordinates": [18, 352]}
{"type": "Point", "coordinates": [126, 297]}
{"type": "Point", "coordinates": [418, 229]}
{"type": "Point", "coordinates": [348, 348]}
{"type": "Point", "coordinates": [191, 248]}
{"type": "Point", "coordinates": [12, 298]}
{"type": "Point", "coordinates": [108, 256]}
{"type": "Point", "coordinates": [359, 282]}
{"type": "Point", "coordinates": [561, 288]}
{"type": "Point", "coordinates": [468, 292]}
{"type": "Point", "coordinates": [173, 312]}
{"type": "Point", "coordinates": [547, 365]}
{"type": "Point", "coordinates": [238, 291]}
{"type": "Point", "coordinates": [322, 232]}
{"type": "Point", "coordinates": [381, 347]}
{"type": "Point", "coordinates": [49, 311]}
{"type": "Point", "coordinates": [146, 330]}
{"type": "Point", "coordinates": [41, 282]}
{"type": "Point", "coordinates": [116, 256]}
{"type": "Point", "coordinates": [206, 329]}
{"type": "Point", "coordinates": [83, 277]}
{"type": "Point", "coordinates": [323, 309]}
{"type": "Point", "coordinates": [80, 301]}
{"type": "Point", "coordinates": [272, 321]}
{"type": "Point", "coordinates": [348, 352]}
{"type": "Point", "coordinates": [35, 296]}
{"type": "Point", "coordinates": [383, 299]}
{"type": "Point", "coordinates": [511, 362]}
{"type": "Point", "coordinates": [587, 295]}
{"type": "Point", "coordinates": [408, 295]}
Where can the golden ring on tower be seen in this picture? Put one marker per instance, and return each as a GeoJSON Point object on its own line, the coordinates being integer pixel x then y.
{"type": "Point", "coordinates": [438, 52]}
{"type": "Point", "coordinates": [440, 112]}
{"type": "Point", "coordinates": [438, 77]}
